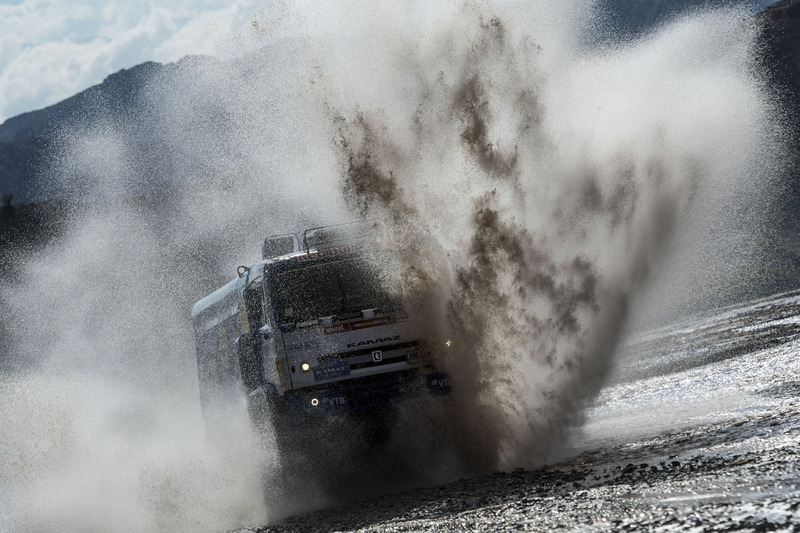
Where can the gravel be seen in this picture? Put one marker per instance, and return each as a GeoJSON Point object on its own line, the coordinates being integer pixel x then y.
{"type": "Point", "coordinates": [740, 477]}
{"type": "Point", "coordinates": [733, 469]}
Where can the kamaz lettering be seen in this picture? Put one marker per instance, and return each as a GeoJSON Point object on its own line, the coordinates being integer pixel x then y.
{"type": "Point", "coordinates": [374, 341]}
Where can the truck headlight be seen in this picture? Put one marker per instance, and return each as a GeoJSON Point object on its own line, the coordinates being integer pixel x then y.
{"type": "Point", "coordinates": [305, 367]}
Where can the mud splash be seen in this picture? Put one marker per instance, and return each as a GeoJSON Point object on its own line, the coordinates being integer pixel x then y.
{"type": "Point", "coordinates": [543, 182]}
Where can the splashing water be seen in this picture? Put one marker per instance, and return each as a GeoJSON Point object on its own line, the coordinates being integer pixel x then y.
{"type": "Point", "coordinates": [532, 184]}
{"type": "Point", "coordinates": [549, 176]}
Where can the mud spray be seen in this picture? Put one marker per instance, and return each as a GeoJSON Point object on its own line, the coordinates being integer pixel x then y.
{"type": "Point", "coordinates": [532, 181]}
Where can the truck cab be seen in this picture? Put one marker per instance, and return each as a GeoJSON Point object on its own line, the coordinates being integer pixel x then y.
{"type": "Point", "coordinates": [316, 328]}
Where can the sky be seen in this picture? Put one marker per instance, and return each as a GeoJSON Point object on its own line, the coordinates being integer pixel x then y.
{"type": "Point", "coordinates": [52, 49]}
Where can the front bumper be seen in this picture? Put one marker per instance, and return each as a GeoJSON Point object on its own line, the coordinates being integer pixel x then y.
{"type": "Point", "coordinates": [368, 392]}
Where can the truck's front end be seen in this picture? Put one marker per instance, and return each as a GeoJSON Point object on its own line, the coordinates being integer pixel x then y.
{"type": "Point", "coordinates": [316, 333]}
{"type": "Point", "coordinates": [346, 340]}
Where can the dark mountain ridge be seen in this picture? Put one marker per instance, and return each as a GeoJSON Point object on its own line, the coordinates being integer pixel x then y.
{"type": "Point", "coordinates": [29, 141]}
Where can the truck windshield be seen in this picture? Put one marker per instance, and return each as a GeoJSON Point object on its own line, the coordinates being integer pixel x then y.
{"type": "Point", "coordinates": [339, 288]}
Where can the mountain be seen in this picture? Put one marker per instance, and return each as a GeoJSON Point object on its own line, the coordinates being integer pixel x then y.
{"type": "Point", "coordinates": [125, 99]}
{"type": "Point", "coordinates": [28, 141]}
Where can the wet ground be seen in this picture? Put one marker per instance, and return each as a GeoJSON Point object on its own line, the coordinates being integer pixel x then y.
{"type": "Point", "coordinates": [698, 430]}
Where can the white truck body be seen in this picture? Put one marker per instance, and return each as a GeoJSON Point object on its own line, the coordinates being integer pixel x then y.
{"type": "Point", "coordinates": [318, 329]}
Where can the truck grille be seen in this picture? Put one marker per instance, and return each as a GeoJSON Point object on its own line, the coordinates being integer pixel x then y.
{"type": "Point", "coordinates": [392, 358]}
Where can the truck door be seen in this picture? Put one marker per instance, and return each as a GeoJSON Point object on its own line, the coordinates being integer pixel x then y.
{"type": "Point", "coordinates": [274, 343]}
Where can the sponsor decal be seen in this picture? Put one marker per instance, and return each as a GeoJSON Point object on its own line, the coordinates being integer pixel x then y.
{"type": "Point", "coordinates": [333, 402]}
{"type": "Point", "coordinates": [373, 341]}
{"type": "Point", "coordinates": [439, 383]}
{"type": "Point", "coordinates": [338, 328]}
{"type": "Point", "coordinates": [372, 323]}
{"type": "Point", "coordinates": [332, 368]}
{"type": "Point", "coordinates": [413, 356]}
{"type": "Point", "coordinates": [329, 403]}
{"type": "Point", "coordinates": [224, 350]}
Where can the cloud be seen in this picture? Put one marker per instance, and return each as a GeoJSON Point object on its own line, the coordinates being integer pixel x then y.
{"type": "Point", "coordinates": [50, 50]}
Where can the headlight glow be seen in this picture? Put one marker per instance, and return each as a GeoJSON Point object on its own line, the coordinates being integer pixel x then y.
{"type": "Point", "coordinates": [305, 367]}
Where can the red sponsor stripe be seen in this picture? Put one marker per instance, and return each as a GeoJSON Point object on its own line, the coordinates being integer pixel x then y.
{"type": "Point", "coordinates": [338, 328]}
{"type": "Point", "coordinates": [373, 323]}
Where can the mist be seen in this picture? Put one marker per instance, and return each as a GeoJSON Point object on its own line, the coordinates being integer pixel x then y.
{"type": "Point", "coordinates": [533, 184]}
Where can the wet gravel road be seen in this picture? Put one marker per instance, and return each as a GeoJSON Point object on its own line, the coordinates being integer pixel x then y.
{"type": "Point", "coordinates": [678, 442]}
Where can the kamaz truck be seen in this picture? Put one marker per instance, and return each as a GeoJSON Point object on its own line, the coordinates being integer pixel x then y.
{"type": "Point", "coordinates": [317, 330]}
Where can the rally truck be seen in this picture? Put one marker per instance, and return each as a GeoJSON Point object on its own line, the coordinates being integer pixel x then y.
{"type": "Point", "coordinates": [316, 330]}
